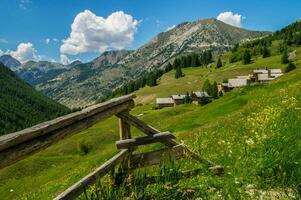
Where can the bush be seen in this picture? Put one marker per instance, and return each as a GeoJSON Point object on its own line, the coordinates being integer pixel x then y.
{"type": "Point", "coordinates": [83, 147]}
{"type": "Point", "coordinates": [290, 67]}
{"type": "Point", "coordinates": [204, 100]}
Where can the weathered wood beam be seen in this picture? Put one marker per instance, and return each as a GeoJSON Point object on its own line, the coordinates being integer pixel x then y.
{"type": "Point", "coordinates": [134, 121]}
{"type": "Point", "coordinates": [145, 128]}
{"type": "Point", "coordinates": [155, 157]}
{"type": "Point", "coordinates": [75, 190]}
{"type": "Point", "coordinates": [12, 154]}
{"type": "Point", "coordinates": [13, 139]}
{"type": "Point", "coordinates": [129, 143]}
{"type": "Point", "coordinates": [124, 129]}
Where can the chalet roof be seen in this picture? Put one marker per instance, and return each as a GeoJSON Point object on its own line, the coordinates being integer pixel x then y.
{"type": "Point", "coordinates": [164, 101]}
{"type": "Point", "coordinates": [276, 71]}
{"type": "Point", "coordinates": [237, 82]}
{"type": "Point", "coordinates": [178, 97]}
{"type": "Point", "coordinates": [244, 77]}
{"type": "Point", "coordinates": [260, 71]}
{"type": "Point", "coordinates": [201, 94]}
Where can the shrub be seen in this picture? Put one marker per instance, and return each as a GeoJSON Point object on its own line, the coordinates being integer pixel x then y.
{"type": "Point", "coordinates": [290, 67]}
{"type": "Point", "coordinates": [204, 100]}
{"type": "Point", "coordinates": [83, 147]}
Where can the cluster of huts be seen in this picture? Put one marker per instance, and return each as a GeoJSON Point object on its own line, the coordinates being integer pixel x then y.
{"type": "Point", "coordinates": [174, 100]}
{"type": "Point", "coordinates": [259, 76]}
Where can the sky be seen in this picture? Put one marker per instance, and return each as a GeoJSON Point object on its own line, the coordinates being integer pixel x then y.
{"type": "Point", "coordinates": [67, 30]}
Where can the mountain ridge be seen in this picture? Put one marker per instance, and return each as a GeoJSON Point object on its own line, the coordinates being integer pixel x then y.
{"type": "Point", "coordinates": [85, 83]}
{"type": "Point", "coordinates": [21, 106]}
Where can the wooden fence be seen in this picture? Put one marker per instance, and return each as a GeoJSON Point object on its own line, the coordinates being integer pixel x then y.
{"type": "Point", "coordinates": [16, 146]}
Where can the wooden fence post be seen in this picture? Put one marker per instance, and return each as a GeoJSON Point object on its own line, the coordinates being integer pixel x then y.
{"type": "Point", "coordinates": [124, 129]}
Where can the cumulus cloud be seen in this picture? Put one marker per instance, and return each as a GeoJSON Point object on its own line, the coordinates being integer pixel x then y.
{"type": "Point", "coordinates": [231, 18]}
{"type": "Point", "coordinates": [65, 60]}
{"type": "Point", "coordinates": [171, 27]}
{"type": "Point", "coordinates": [91, 33]}
{"type": "Point", "coordinates": [24, 52]}
{"type": "Point", "coordinates": [47, 40]}
{"type": "Point", "coordinates": [23, 4]}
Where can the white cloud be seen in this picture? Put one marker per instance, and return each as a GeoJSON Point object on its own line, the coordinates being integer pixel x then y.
{"type": "Point", "coordinates": [24, 52]}
{"type": "Point", "coordinates": [2, 40]}
{"type": "Point", "coordinates": [91, 33]}
{"type": "Point", "coordinates": [171, 27]}
{"type": "Point", "coordinates": [50, 40]}
{"type": "Point", "coordinates": [1, 52]}
{"type": "Point", "coordinates": [65, 60]}
{"type": "Point", "coordinates": [231, 18]}
{"type": "Point", "coordinates": [47, 40]}
{"type": "Point", "coordinates": [23, 4]}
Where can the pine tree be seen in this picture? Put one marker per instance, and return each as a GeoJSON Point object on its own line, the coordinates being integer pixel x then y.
{"type": "Point", "coordinates": [219, 63]}
{"type": "Point", "coordinates": [179, 73]}
{"type": "Point", "coordinates": [206, 86]}
{"type": "Point", "coordinates": [246, 57]}
{"type": "Point", "coordinates": [187, 99]}
{"type": "Point", "coordinates": [214, 90]}
{"type": "Point", "coordinates": [152, 79]}
{"type": "Point", "coordinates": [284, 58]}
{"type": "Point", "coordinates": [265, 52]}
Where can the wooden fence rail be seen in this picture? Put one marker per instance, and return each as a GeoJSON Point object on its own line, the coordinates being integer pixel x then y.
{"type": "Point", "coordinates": [16, 146]}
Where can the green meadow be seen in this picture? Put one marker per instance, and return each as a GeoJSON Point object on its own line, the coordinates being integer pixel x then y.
{"type": "Point", "coordinates": [253, 132]}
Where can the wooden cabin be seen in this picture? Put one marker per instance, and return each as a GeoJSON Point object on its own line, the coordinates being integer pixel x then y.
{"type": "Point", "coordinates": [237, 82]}
{"type": "Point", "coordinates": [178, 99]}
{"type": "Point", "coordinates": [265, 75]}
{"type": "Point", "coordinates": [196, 96]}
{"type": "Point", "coordinates": [165, 102]}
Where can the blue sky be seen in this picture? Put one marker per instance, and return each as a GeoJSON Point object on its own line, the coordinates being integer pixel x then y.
{"type": "Point", "coordinates": [31, 22]}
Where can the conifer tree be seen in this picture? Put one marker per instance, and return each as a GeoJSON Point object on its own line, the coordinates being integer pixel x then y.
{"type": "Point", "coordinates": [246, 57]}
{"type": "Point", "coordinates": [284, 58]}
{"type": "Point", "coordinates": [265, 52]}
{"type": "Point", "coordinates": [214, 90]}
{"type": "Point", "coordinates": [219, 63]}
{"type": "Point", "coordinates": [206, 86]}
{"type": "Point", "coordinates": [179, 72]}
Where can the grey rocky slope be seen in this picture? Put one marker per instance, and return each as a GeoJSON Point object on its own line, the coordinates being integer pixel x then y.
{"type": "Point", "coordinates": [84, 84]}
{"type": "Point", "coordinates": [9, 62]}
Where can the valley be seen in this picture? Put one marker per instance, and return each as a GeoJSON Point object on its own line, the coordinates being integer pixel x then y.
{"type": "Point", "coordinates": [225, 131]}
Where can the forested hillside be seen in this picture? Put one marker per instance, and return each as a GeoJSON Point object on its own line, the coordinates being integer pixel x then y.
{"type": "Point", "coordinates": [21, 106]}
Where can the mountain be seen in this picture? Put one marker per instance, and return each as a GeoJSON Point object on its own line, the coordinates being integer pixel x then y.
{"type": "Point", "coordinates": [74, 63]}
{"type": "Point", "coordinates": [39, 72]}
{"type": "Point", "coordinates": [9, 61]}
{"type": "Point", "coordinates": [21, 106]}
{"type": "Point", "coordinates": [109, 58]}
{"type": "Point", "coordinates": [85, 84]}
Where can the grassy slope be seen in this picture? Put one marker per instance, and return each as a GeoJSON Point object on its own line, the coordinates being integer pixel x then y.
{"type": "Point", "coordinates": [21, 106]}
{"type": "Point", "coordinates": [219, 130]}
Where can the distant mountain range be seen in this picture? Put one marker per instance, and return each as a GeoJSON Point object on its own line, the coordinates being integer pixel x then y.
{"type": "Point", "coordinates": [81, 84]}
{"type": "Point", "coordinates": [21, 106]}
